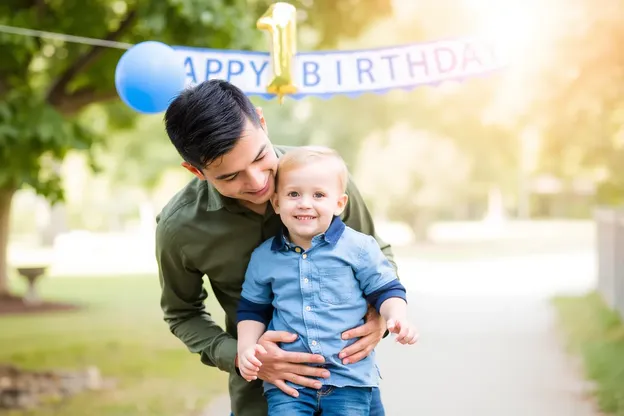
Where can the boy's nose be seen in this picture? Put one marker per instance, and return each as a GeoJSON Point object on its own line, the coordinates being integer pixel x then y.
{"type": "Point", "coordinates": [304, 202]}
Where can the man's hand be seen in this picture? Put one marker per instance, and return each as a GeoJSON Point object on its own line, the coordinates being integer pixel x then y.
{"type": "Point", "coordinates": [370, 334]}
{"type": "Point", "coordinates": [279, 366]}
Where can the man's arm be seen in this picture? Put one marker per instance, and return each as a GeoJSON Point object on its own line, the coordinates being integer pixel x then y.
{"type": "Point", "coordinates": [357, 216]}
{"type": "Point", "coordinates": [182, 302]}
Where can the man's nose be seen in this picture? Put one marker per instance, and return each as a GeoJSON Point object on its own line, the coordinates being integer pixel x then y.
{"type": "Point", "coordinates": [256, 179]}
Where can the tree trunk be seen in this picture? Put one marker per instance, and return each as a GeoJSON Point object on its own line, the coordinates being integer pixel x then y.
{"type": "Point", "coordinates": [6, 196]}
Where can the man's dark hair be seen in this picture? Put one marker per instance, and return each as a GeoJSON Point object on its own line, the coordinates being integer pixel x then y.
{"type": "Point", "coordinates": [206, 121]}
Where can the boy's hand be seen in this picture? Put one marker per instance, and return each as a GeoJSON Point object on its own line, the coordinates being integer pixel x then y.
{"type": "Point", "coordinates": [248, 363]}
{"type": "Point", "coordinates": [405, 332]}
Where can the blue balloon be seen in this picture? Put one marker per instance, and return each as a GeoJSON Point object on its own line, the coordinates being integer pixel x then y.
{"type": "Point", "coordinates": [149, 76]}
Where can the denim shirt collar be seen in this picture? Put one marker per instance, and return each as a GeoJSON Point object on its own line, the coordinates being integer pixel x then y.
{"type": "Point", "coordinates": [331, 236]}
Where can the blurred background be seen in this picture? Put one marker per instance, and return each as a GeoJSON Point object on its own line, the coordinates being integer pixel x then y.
{"type": "Point", "coordinates": [501, 195]}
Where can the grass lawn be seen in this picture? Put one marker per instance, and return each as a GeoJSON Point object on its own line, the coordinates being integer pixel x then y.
{"type": "Point", "coordinates": [121, 332]}
{"type": "Point", "coordinates": [597, 334]}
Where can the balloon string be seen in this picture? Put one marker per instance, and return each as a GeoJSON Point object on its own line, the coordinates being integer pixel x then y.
{"type": "Point", "coordinates": [64, 37]}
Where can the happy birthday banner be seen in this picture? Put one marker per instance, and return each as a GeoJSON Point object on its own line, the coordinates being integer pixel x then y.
{"type": "Point", "coordinates": [351, 73]}
{"type": "Point", "coordinates": [150, 74]}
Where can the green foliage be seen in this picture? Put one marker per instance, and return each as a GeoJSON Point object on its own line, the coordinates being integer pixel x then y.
{"type": "Point", "coordinates": [44, 83]}
{"type": "Point", "coordinates": [597, 334]}
{"type": "Point", "coordinates": [34, 138]}
{"type": "Point", "coordinates": [580, 107]}
{"type": "Point", "coordinates": [138, 157]}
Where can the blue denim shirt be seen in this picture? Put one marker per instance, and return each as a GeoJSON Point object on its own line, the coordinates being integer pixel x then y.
{"type": "Point", "coordinates": [320, 293]}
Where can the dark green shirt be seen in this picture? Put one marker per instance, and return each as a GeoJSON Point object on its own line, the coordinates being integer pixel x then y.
{"type": "Point", "coordinates": [201, 233]}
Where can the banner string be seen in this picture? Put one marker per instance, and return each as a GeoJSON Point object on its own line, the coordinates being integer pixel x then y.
{"type": "Point", "coordinates": [64, 37]}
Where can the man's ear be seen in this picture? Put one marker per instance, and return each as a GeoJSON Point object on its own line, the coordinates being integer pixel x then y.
{"type": "Point", "coordinates": [198, 173]}
{"type": "Point", "coordinates": [275, 202]}
{"type": "Point", "coordinates": [342, 204]}
{"type": "Point", "coordinates": [262, 119]}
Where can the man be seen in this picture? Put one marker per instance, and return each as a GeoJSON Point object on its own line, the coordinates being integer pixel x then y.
{"type": "Point", "coordinates": [211, 227]}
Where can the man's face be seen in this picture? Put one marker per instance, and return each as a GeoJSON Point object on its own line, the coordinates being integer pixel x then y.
{"type": "Point", "coordinates": [307, 199]}
{"type": "Point", "coordinates": [247, 172]}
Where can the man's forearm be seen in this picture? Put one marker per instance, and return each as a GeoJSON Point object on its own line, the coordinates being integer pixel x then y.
{"type": "Point", "coordinates": [202, 335]}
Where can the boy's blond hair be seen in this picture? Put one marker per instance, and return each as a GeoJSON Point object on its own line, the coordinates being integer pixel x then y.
{"type": "Point", "coordinates": [304, 155]}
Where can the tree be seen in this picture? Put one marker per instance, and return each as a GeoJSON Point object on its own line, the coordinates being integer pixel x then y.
{"type": "Point", "coordinates": [580, 109]}
{"type": "Point", "coordinates": [45, 83]}
{"type": "Point", "coordinates": [418, 173]}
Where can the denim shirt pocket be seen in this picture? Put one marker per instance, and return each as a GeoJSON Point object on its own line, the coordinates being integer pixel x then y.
{"type": "Point", "coordinates": [337, 284]}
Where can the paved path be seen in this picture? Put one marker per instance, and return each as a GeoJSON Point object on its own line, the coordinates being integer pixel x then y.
{"type": "Point", "coordinates": [488, 345]}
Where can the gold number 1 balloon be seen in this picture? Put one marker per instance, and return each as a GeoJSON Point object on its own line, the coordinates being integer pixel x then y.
{"type": "Point", "coordinates": [280, 20]}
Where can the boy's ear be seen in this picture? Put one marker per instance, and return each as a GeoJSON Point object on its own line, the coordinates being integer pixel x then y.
{"type": "Point", "coordinates": [275, 202]}
{"type": "Point", "coordinates": [342, 204]}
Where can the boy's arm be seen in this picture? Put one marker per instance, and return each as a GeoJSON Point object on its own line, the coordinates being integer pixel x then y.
{"type": "Point", "coordinates": [252, 319]}
{"type": "Point", "coordinates": [394, 309]}
{"type": "Point", "coordinates": [251, 325]}
{"type": "Point", "coordinates": [383, 289]}
{"type": "Point", "coordinates": [357, 216]}
{"type": "Point", "coordinates": [254, 308]}
{"type": "Point", "coordinates": [376, 275]}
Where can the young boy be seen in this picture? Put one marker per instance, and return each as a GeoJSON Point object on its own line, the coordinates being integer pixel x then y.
{"type": "Point", "coordinates": [316, 279]}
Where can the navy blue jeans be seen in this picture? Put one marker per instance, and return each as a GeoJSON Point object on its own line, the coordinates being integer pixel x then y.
{"type": "Point", "coordinates": [328, 401]}
{"type": "Point", "coordinates": [376, 406]}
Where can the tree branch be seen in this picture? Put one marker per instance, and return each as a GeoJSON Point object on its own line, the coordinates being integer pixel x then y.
{"type": "Point", "coordinates": [4, 87]}
{"type": "Point", "coordinates": [41, 8]}
{"type": "Point", "coordinates": [57, 93]}
{"type": "Point", "coordinates": [75, 101]}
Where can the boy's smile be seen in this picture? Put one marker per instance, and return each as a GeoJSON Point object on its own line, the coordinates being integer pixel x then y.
{"type": "Point", "coordinates": [307, 199]}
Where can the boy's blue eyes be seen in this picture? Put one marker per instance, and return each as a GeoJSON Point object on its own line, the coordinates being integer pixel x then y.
{"type": "Point", "coordinates": [294, 194]}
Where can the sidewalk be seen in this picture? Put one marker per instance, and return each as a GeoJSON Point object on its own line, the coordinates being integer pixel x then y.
{"type": "Point", "coordinates": [489, 344]}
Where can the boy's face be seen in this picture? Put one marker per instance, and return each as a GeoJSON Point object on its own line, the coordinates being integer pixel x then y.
{"type": "Point", "coordinates": [307, 198]}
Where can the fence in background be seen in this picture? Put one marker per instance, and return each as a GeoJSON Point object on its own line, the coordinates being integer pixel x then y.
{"type": "Point", "coordinates": [610, 245]}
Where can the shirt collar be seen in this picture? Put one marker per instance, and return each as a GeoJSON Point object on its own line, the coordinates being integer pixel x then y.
{"type": "Point", "coordinates": [216, 201]}
{"type": "Point", "coordinates": [331, 236]}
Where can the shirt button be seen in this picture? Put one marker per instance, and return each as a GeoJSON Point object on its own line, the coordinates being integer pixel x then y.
{"type": "Point", "coordinates": [308, 308]}
{"type": "Point", "coordinates": [305, 280]}
{"type": "Point", "coordinates": [313, 342]}
{"type": "Point", "coordinates": [297, 249]}
{"type": "Point", "coordinates": [305, 256]}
